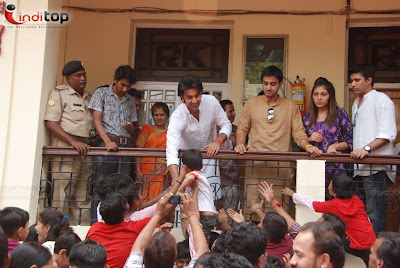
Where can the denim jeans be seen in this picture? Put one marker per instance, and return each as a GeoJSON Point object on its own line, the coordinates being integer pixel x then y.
{"type": "Point", "coordinates": [374, 196]}
{"type": "Point", "coordinates": [106, 166]}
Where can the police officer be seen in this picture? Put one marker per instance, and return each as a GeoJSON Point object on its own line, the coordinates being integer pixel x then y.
{"type": "Point", "coordinates": [69, 120]}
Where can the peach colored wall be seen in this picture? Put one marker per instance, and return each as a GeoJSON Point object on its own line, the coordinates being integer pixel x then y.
{"type": "Point", "coordinates": [316, 44]}
{"type": "Point", "coordinates": [28, 63]}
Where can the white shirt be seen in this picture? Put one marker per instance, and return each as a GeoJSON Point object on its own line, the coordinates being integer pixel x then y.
{"type": "Point", "coordinates": [205, 198]}
{"type": "Point", "coordinates": [186, 132]}
{"type": "Point", "coordinates": [375, 118]}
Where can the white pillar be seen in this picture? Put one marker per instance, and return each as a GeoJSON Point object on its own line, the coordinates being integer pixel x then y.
{"type": "Point", "coordinates": [310, 180]}
{"type": "Point", "coordinates": [28, 66]}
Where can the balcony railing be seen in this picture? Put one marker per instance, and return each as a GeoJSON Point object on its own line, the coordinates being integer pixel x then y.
{"type": "Point", "coordinates": [59, 184]}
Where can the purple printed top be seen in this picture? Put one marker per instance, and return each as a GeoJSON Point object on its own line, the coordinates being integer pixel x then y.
{"type": "Point", "coordinates": [341, 131]}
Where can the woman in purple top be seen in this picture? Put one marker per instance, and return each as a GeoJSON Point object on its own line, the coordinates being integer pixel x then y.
{"type": "Point", "coordinates": [328, 126]}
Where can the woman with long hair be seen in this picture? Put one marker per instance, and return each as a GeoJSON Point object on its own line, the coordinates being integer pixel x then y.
{"type": "Point", "coordinates": [328, 126]}
{"type": "Point", "coordinates": [151, 171]}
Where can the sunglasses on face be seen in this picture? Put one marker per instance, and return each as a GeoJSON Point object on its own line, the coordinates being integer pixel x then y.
{"type": "Point", "coordinates": [270, 116]}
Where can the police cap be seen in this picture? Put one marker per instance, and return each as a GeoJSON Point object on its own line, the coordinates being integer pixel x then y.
{"type": "Point", "coordinates": [72, 67]}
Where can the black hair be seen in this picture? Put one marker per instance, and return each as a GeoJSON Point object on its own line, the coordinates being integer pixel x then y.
{"type": "Point", "coordinates": [273, 261]}
{"type": "Point", "coordinates": [231, 260]}
{"type": "Point", "coordinates": [336, 223]}
{"type": "Point", "coordinates": [326, 241]}
{"type": "Point", "coordinates": [389, 250]}
{"type": "Point", "coordinates": [32, 235]}
{"type": "Point", "coordinates": [275, 227]}
{"type": "Point", "coordinates": [189, 82]}
{"type": "Point", "coordinates": [272, 71]}
{"type": "Point", "coordinates": [159, 105]}
{"type": "Point", "coordinates": [135, 93]}
{"type": "Point", "coordinates": [224, 103]}
{"type": "Point", "coordinates": [66, 241]}
{"type": "Point", "coordinates": [112, 208]}
{"type": "Point", "coordinates": [183, 249]}
{"type": "Point", "coordinates": [106, 186]}
{"type": "Point", "coordinates": [130, 191]}
{"type": "Point", "coordinates": [193, 159]}
{"type": "Point", "coordinates": [12, 218]}
{"type": "Point", "coordinates": [202, 260]}
{"type": "Point", "coordinates": [213, 236]}
{"type": "Point", "coordinates": [343, 186]}
{"type": "Point", "coordinates": [365, 70]}
{"type": "Point", "coordinates": [3, 248]}
{"type": "Point", "coordinates": [88, 254]}
{"type": "Point", "coordinates": [125, 72]}
{"type": "Point", "coordinates": [220, 243]}
{"type": "Point", "coordinates": [246, 239]}
{"type": "Point", "coordinates": [57, 222]}
{"type": "Point", "coordinates": [28, 254]}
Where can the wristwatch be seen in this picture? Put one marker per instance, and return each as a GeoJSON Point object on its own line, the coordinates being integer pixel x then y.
{"type": "Point", "coordinates": [368, 149]}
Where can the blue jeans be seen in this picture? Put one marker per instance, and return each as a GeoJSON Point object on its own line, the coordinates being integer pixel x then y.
{"type": "Point", "coordinates": [106, 166]}
{"type": "Point", "coordinates": [374, 197]}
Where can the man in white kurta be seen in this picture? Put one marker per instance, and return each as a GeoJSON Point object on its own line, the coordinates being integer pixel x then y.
{"type": "Point", "coordinates": [191, 124]}
{"type": "Point", "coordinates": [191, 127]}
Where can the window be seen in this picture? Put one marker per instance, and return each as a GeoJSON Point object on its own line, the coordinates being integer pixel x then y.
{"type": "Point", "coordinates": [169, 54]}
{"type": "Point", "coordinates": [262, 52]}
{"type": "Point", "coordinates": [379, 47]}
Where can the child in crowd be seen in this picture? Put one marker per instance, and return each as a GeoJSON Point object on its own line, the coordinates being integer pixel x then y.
{"type": "Point", "coordinates": [183, 257]}
{"type": "Point", "coordinates": [30, 254]}
{"type": "Point", "coordinates": [88, 253]}
{"type": "Point", "coordinates": [14, 222]}
{"type": "Point", "coordinates": [134, 196]}
{"type": "Point", "coordinates": [192, 164]}
{"type": "Point", "coordinates": [50, 224]}
{"type": "Point", "coordinates": [116, 234]}
{"type": "Point", "coordinates": [276, 228]}
{"type": "Point", "coordinates": [347, 206]}
{"type": "Point", "coordinates": [104, 187]}
{"type": "Point", "coordinates": [62, 248]}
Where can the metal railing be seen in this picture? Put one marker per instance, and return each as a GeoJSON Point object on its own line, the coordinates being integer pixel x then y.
{"type": "Point", "coordinates": [71, 189]}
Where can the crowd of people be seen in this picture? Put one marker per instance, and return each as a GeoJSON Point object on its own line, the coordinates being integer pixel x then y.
{"type": "Point", "coordinates": [130, 200]}
{"type": "Point", "coordinates": [123, 240]}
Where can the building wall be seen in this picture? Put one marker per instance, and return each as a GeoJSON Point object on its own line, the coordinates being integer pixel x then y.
{"type": "Point", "coordinates": [316, 44]}
{"type": "Point", "coordinates": [28, 65]}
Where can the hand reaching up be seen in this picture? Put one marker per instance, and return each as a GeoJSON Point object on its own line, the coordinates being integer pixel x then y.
{"type": "Point", "coordinates": [267, 191]}
{"type": "Point", "coordinates": [237, 217]}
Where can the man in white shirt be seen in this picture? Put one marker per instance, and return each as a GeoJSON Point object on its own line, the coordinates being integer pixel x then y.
{"type": "Point", "coordinates": [374, 130]}
{"type": "Point", "coordinates": [191, 126]}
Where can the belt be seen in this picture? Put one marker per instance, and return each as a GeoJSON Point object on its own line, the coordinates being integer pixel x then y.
{"type": "Point", "coordinates": [119, 140]}
{"type": "Point", "coordinates": [81, 139]}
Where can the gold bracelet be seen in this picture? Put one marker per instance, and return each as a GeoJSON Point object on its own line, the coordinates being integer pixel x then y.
{"type": "Point", "coordinates": [308, 146]}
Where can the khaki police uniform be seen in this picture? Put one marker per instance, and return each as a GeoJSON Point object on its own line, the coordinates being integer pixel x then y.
{"type": "Point", "coordinates": [72, 176]}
